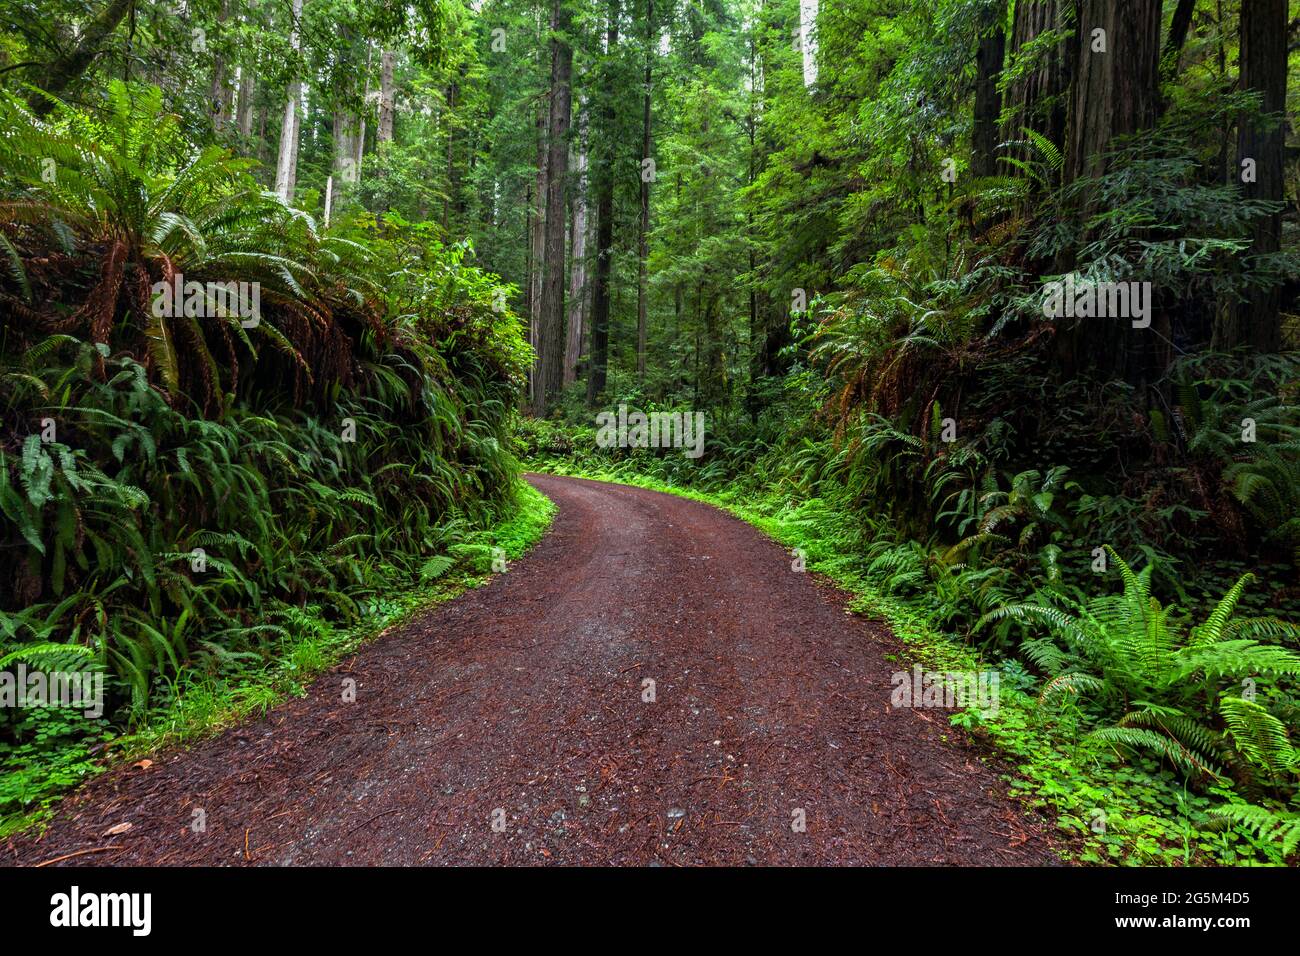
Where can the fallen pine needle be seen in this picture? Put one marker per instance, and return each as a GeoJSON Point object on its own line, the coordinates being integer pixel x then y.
{"type": "Point", "coordinates": [69, 856]}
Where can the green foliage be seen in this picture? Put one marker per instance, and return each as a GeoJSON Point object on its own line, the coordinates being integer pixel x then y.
{"type": "Point", "coordinates": [1131, 658]}
{"type": "Point", "coordinates": [177, 487]}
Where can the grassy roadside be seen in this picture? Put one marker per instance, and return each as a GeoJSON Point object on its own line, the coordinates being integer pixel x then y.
{"type": "Point", "coordinates": [200, 705]}
{"type": "Point", "coordinates": [1108, 810]}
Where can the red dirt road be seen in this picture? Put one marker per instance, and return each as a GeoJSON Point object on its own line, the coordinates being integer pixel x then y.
{"type": "Point", "coordinates": [522, 702]}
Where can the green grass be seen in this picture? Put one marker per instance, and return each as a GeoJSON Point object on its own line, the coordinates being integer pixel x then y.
{"type": "Point", "coordinates": [195, 706]}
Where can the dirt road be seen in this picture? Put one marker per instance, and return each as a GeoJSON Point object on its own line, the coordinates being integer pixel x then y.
{"type": "Point", "coordinates": [515, 726]}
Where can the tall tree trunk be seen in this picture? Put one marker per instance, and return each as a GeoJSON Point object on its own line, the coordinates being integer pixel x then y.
{"type": "Point", "coordinates": [598, 367]}
{"type": "Point", "coordinates": [244, 111]}
{"type": "Point", "coordinates": [342, 146]}
{"type": "Point", "coordinates": [1115, 89]}
{"type": "Point", "coordinates": [713, 376]}
{"type": "Point", "coordinates": [359, 144]}
{"type": "Point", "coordinates": [1178, 27]}
{"type": "Point", "coordinates": [247, 86]}
{"type": "Point", "coordinates": [1261, 141]}
{"type": "Point", "coordinates": [1115, 93]}
{"type": "Point", "coordinates": [1036, 100]}
{"type": "Point", "coordinates": [453, 175]}
{"type": "Point", "coordinates": [548, 371]}
{"type": "Point", "coordinates": [297, 141]}
{"type": "Point", "coordinates": [714, 372]}
{"type": "Point", "coordinates": [67, 69]}
{"type": "Point", "coordinates": [643, 239]}
{"type": "Point", "coordinates": [988, 101]}
{"type": "Point", "coordinates": [219, 89]}
{"type": "Point", "coordinates": [285, 168]}
{"type": "Point", "coordinates": [577, 257]}
{"type": "Point", "coordinates": [349, 123]}
{"type": "Point", "coordinates": [536, 241]}
{"type": "Point", "coordinates": [387, 96]}
{"type": "Point", "coordinates": [345, 145]}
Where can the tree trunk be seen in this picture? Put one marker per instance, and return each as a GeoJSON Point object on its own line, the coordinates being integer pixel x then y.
{"type": "Point", "coordinates": [548, 371]}
{"type": "Point", "coordinates": [244, 111]}
{"type": "Point", "coordinates": [297, 141]}
{"type": "Point", "coordinates": [285, 167]}
{"type": "Point", "coordinates": [247, 87]}
{"type": "Point", "coordinates": [988, 101]}
{"type": "Point", "coordinates": [359, 145]}
{"type": "Point", "coordinates": [66, 69]}
{"type": "Point", "coordinates": [1261, 139]}
{"type": "Point", "coordinates": [219, 89]}
{"type": "Point", "coordinates": [1115, 91]}
{"type": "Point", "coordinates": [1178, 27]}
{"type": "Point", "coordinates": [643, 240]}
{"type": "Point", "coordinates": [577, 257]}
{"type": "Point", "coordinates": [453, 176]}
{"type": "Point", "coordinates": [536, 240]}
{"type": "Point", "coordinates": [1036, 100]}
{"type": "Point", "coordinates": [387, 96]}
{"type": "Point", "coordinates": [599, 365]}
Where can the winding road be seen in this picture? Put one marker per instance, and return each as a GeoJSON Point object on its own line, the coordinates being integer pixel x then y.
{"type": "Point", "coordinates": [652, 684]}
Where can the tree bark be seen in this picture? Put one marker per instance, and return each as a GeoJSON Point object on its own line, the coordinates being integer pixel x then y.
{"type": "Point", "coordinates": [219, 91]}
{"type": "Point", "coordinates": [1037, 99]}
{"type": "Point", "coordinates": [244, 111]}
{"type": "Point", "coordinates": [598, 367]}
{"type": "Point", "coordinates": [344, 148]}
{"type": "Point", "coordinates": [453, 174]}
{"type": "Point", "coordinates": [387, 96]}
{"type": "Point", "coordinates": [548, 371]}
{"type": "Point", "coordinates": [577, 257]}
{"type": "Point", "coordinates": [536, 241]}
{"type": "Point", "coordinates": [297, 140]}
{"type": "Point", "coordinates": [643, 239]}
{"type": "Point", "coordinates": [1261, 138]}
{"type": "Point", "coordinates": [359, 143]}
{"type": "Point", "coordinates": [247, 87]}
{"type": "Point", "coordinates": [1178, 27]}
{"type": "Point", "coordinates": [285, 167]}
{"type": "Point", "coordinates": [1115, 92]}
{"type": "Point", "coordinates": [988, 101]}
{"type": "Point", "coordinates": [67, 69]}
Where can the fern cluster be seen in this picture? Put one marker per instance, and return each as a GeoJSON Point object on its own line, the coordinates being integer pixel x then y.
{"type": "Point", "coordinates": [171, 485]}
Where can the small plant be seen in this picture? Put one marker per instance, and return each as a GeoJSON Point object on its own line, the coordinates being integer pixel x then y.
{"type": "Point", "coordinates": [1138, 662]}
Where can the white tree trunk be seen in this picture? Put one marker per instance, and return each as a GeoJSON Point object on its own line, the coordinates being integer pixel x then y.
{"type": "Point", "coordinates": [285, 168]}
{"type": "Point", "coordinates": [244, 112]}
{"type": "Point", "coordinates": [387, 96]}
{"type": "Point", "coordinates": [578, 256]}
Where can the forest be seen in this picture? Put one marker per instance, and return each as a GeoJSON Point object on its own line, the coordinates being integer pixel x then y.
{"type": "Point", "coordinates": [986, 311]}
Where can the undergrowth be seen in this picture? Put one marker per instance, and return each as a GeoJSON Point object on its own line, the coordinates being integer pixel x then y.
{"type": "Point", "coordinates": [197, 704]}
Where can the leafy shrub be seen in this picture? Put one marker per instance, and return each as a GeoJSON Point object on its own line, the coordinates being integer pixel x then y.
{"type": "Point", "coordinates": [173, 484]}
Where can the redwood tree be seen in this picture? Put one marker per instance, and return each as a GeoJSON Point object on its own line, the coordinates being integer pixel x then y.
{"type": "Point", "coordinates": [548, 372]}
{"type": "Point", "coordinates": [1261, 146]}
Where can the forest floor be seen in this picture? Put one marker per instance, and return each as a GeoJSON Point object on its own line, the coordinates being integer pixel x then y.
{"type": "Point", "coordinates": [512, 726]}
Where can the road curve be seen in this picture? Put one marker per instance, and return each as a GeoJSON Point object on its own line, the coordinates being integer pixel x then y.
{"type": "Point", "coordinates": [513, 726]}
